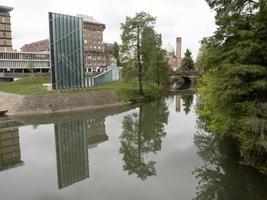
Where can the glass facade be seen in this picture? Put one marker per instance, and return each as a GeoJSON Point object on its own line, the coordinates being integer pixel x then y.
{"type": "Point", "coordinates": [67, 51]}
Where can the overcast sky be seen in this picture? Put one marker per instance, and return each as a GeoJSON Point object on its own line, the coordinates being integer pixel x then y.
{"type": "Point", "coordinates": [190, 19]}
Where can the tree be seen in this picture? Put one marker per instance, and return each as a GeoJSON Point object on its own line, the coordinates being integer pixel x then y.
{"type": "Point", "coordinates": [116, 52]}
{"type": "Point", "coordinates": [131, 37]}
{"type": "Point", "coordinates": [156, 67]}
{"type": "Point", "coordinates": [30, 65]}
{"type": "Point", "coordinates": [233, 86]}
{"type": "Point", "coordinates": [187, 62]}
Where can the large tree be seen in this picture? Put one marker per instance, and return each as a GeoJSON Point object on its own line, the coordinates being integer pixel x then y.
{"type": "Point", "coordinates": [156, 67]}
{"type": "Point", "coordinates": [132, 31]}
{"type": "Point", "coordinates": [187, 62]}
{"type": "Point", "coordinates": [233, 88]}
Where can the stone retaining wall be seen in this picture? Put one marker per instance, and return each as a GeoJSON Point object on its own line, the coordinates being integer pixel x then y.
{"type": "Point", "coordinates": [28, 105]}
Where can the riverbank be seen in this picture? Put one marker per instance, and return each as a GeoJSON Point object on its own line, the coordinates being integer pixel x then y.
{"type": "Point", "coordinates": [28, 96]}
{"type": "Point", "coordinates": [46, 104]}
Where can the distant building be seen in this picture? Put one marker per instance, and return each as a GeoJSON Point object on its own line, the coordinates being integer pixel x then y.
{"type": "Point", "coordinates": [5, 29]}
{"type": "Point", "coordinates": [19, 62]}
{"type": "Point", "coordinates": [96, 58]}
{"type": "Point", "coordinates": [175, 60]}
{"type": "Point", "coordinates": [39, 46]}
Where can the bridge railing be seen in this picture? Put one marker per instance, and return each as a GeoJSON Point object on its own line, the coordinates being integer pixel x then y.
{"type": "Point", "coordinates": [185, 72]}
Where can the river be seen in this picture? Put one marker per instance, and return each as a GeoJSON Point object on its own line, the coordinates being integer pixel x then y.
{"type": "Point", "coordinates": [156, 151]}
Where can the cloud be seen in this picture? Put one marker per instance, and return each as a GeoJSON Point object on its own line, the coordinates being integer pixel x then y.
{"type": "Point", "coordinates": [190, 19]}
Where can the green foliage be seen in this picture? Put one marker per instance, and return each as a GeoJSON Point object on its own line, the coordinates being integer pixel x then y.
{"type": "Point", "coordinates": [142, 55]}
{"type": "Point", "coordinates": [30, 65]}
{"type": "Point", "coordinates": [187, 62]}
{"type": "Point", "coordinates": [233, 64]}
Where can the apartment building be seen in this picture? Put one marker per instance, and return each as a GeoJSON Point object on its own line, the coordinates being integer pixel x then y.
{"type": "Point", "coordinates": [38, 46]}
{"type": "Point", "coordinates": [96, 59]}
{"type": "Point", "coordinates": [5, 29]}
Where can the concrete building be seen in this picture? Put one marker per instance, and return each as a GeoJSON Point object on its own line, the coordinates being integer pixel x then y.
{"type": "Point", "coordinates": [5, 29]}
{"type": "Point", "coordinates": [21, 62]}
{"type": "Point", "coordinates": [96, 59]}
{"type": "Point", "coordinates": [38, 46]}
{"type": "Point", "coordinates": [175, 60]}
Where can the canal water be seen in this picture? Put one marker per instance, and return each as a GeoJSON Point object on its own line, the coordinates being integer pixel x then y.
{"type": "Point", "coordinates": [154, 151]}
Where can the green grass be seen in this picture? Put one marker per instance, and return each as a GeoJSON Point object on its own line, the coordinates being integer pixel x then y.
{"type": "Point", "coordinates": [27, 86]}
{"type": "Point", "coordinates": [127, 90]}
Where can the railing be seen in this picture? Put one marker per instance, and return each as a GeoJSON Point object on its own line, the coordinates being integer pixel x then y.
{"type": "Point", "coordinates": [112, 74]}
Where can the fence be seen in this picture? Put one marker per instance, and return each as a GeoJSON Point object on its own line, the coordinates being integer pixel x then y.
{"type": "Point", "coordinates": [112, 74]}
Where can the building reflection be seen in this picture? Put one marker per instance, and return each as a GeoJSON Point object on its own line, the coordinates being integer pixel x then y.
{"type": "Point", "coordinates": [72, 154]}
{"type": "Point", "coordinates": [73, 139]}
{"type": "Point", "coordinates": [178, 103]}
{"type": "Point", "coordinates": [10, 155]}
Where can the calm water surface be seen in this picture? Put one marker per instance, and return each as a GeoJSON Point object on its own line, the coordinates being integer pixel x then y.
{"type": "Point", "coordinates": [154, 151]}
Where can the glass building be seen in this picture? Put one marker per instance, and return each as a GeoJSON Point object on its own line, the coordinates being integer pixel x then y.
{"type": "Point", "coordinates": [67, 51]}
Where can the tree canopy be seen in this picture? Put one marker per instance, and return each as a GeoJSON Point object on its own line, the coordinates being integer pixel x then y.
{"type": "Point", "coordinates": [233, 63]}
{"type": "Point", "coordinates": [187, 62]}
{"type": "Point", "coordinates": [141, 52]}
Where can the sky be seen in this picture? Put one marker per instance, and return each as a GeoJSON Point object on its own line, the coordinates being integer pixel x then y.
{"type": "Point", "coordinates": [190, 19]}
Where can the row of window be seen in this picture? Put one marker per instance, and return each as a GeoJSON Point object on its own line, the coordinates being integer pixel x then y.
{"type": "Point", "coordinates": [24, 64]}
{"type": "Point", "coordinates": [18, 55]}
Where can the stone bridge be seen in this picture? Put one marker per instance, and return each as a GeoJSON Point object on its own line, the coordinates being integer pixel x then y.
{"type": "Point", "coordinates": [180, 78]}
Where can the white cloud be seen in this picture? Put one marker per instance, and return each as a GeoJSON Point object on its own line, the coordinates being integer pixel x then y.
{"type": "Point", "coordinates": [190, 19]}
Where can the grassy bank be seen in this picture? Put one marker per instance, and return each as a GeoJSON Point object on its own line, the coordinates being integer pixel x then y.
{"type": "Point", "coordinates": [128, 91]}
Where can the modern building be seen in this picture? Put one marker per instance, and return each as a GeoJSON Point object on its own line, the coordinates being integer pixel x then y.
{"type": "Point", "coordinates": [24, 62]}
{"type": "Point", "coordinates": [96, 58]}
{"type": "Point", "coordinates": [67, 51]}
{"type": "Point", "coordinates": [175, 60]}
{"type": "Point", "coordinates": [5, 29]}
{"type": "Point", "coordinates": [38, 46]}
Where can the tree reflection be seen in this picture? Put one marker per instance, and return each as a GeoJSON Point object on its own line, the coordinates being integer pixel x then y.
{"type": "Point", "coordinates": [221, 176]}
{"type": "Point", "coordinates": [142, 134]}
{"type": "Point", "coordinates": [187, 102]}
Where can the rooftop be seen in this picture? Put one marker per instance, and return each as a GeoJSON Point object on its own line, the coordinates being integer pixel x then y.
{"type": "Point", "coordinates": [5, 9]}
{"type": "Point", "coordinates": [88, 19]}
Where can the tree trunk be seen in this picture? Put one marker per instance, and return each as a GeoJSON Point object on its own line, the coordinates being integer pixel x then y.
{"type": "Point", "coordinates": [140, 73]}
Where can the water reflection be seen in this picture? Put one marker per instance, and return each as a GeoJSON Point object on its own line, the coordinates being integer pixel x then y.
{"type": "Point", "coordinates": [72, 153]}
{"type": "Point", "coordinates": [141, 135]}
{"type": "Point", "coordinates": [73, 139]}
{"type": "Point", "coordinates": [221, 176]}
{"type": "Point", "coordinates": [10, 155]}
{"type": "Point", "coordinates": [186, 100]}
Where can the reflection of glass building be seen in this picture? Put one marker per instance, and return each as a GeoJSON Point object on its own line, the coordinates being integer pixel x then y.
{"type": "Point", "coordinates": [67, 51]}
{"type": "Point", "coordinates": [72, 141]}
{"type": "Point", "coordinates": [72, 153]}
